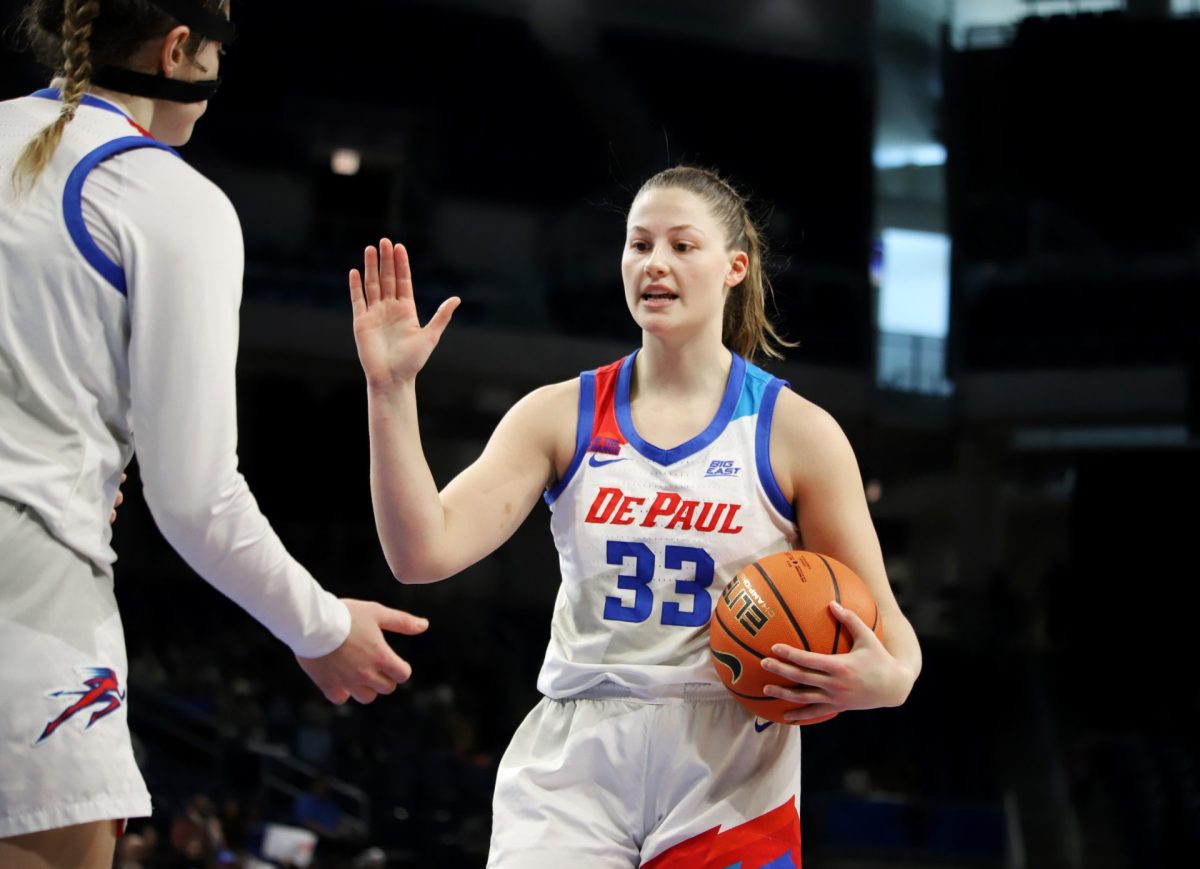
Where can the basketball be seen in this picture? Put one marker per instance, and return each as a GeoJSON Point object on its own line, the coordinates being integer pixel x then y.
{"type": "Point", "coordinates": [783, 598]}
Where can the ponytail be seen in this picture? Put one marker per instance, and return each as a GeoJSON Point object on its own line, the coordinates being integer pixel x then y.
{"type": "Point", "coordinates": [77, 68]}
{"type": "Point", "coordinates": [747, 329]}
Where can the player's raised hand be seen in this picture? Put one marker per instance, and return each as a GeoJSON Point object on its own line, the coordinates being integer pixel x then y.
{"type": "Point", "coordinates": [392, 344]}
{"type": "Point", "coordinates": [364, 665]}
{"type": "Point", "coordinates": [866, 677]}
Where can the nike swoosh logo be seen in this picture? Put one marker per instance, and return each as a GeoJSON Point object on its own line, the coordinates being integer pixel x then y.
{"type": "Point", "coordinates": [761, 726]}
{"type": "Point", "coordinates": [730, 661]}
{"type": "Point", "coordinates": [597, 463]}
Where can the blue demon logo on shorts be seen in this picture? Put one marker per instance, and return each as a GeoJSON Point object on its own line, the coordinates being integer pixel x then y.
{"type": "Point", "coordinates": [102, 689]}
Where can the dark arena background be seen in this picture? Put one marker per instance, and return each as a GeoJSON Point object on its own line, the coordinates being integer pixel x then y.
{"type": "Point", "coordinates": [1029, 448]}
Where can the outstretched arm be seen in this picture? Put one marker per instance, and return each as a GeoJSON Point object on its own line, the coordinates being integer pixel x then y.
{"type": "Point", "coordinates": [426, 534]}
{"type": "Point", "coordinates": [833, 519]}
{"type": "Point", "coordinates": [183, 329]}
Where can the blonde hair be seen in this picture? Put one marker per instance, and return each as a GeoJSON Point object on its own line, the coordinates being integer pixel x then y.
{"type": "Point", "coordinates": [77, 69]}
{"type": "Point", "coordinates": [747, 329]}
{"type": "Point", "coordinates": [72, 37]}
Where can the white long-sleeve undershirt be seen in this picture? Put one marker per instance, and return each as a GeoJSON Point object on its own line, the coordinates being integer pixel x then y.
{"type": "Point", "coordinates": [162, 381]}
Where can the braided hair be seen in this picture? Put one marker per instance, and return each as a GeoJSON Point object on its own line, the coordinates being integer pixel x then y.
{"type": "Point", "coordinates": [76, 36]}
{"type": "Point", "coordinates": [77, 68]}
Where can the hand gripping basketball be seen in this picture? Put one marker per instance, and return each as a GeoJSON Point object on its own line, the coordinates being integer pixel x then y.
{"type": "Point", "coordinates": [364, 665]}
{"type": "Point", "coordinates": [866, 677]}
{"type": "Point", "coordinates": [789, 640]}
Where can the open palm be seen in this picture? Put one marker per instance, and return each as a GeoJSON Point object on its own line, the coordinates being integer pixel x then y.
{"type": "Point", "coordinates": [392, 344]}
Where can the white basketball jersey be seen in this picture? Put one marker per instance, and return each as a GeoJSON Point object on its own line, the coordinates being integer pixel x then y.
{"type": "Point", "coordinates": [648, 537]}
{"type": "Point", "coordinates": [120, 281]}
{"type": "Point", "coordinates": [64, 326]}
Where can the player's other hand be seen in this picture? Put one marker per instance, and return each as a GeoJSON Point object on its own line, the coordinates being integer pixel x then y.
{"type": "Point", "coordinates": [118, 501]}
{"type": "Point", "coordinates": [866, 677]}
{"type": "Point", "coordinates": [392, 344]}
{"type": "Point", "coordinates": [364, 665]}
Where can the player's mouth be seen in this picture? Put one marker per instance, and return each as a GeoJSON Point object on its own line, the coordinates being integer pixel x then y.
{"type": "Point", "coordinates": [655, 294]}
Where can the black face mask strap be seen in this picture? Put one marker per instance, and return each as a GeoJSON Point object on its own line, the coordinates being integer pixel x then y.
{"type": "Point", "coordinates": [211, 25]}
{"type": "Point", "coordinates": [157, 87]}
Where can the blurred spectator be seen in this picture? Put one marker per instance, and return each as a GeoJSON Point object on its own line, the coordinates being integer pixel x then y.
{"type": "Point", "coordinates": [132, 852]}
{"type": "Point", "coordinates": [315, 810]}
{"type": "Point", "coordinates": [372, 858]}
{"type": "Point", "coordinates": [234, 825]}
{"type": "Point", "coordinates": [314, 742]}
{"type": "Point", "coordinates": [341, 836]}
{"type": "Point", "coordinates": [196, 832]}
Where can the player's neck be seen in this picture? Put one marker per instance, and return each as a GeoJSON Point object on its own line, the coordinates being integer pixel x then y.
{"type": "Point", "coordinates": [140, 109]}
{"type": "Point", "coordinates": [687, 370]}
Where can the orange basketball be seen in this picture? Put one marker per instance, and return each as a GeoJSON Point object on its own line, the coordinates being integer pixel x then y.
{"type": "Point", "coordinates": [783, 598]}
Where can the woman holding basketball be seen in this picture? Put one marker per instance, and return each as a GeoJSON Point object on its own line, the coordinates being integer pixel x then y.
{"type": "Point", "coordinates": [666, 472]}
{"type": "Point", "coordinates": [119, 303]}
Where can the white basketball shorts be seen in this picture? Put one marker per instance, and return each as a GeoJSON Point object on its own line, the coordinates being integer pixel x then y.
{"type": "Point", "coordinates": [65, 751]}
{"type": "Point", "coordinates": [691, 781]}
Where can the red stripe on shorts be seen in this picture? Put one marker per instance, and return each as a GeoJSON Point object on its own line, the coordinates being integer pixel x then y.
{"type": "Point", "coordinates": [768, 840]}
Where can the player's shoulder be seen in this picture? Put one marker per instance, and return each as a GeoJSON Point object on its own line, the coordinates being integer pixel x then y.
{"type": "Point", "coordinates": [189, 189]}
{"type": "Point", "coordinates": [805, 426]}
{"type": "Point", "coordinates": [171, 203]}
{"type": "Point", "coordinates": [543, 420]}
{"type": "Point", "coordinates": [552, 402]}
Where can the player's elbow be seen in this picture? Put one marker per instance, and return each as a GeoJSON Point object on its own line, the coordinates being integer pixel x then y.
{"type": "Point", "coordinates": [192, 513]}
{"type": "Point", "coordinates": [413, 578]}
{"type": "Point", "coordinates": [177, 515]}
{"type": "Point", "coordinates": [406, 578]}
{"type": "Point", "coordinates": [413, 567]}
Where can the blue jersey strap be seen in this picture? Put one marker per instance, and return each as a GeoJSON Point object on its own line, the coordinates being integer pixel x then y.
{"type": "Point", "coordinates": [86, 100]}
{"type": "Point", "coordinates": [73, 204]}
{"type": "Point", "coordinates": [583, 431]}
{"type": "Point", "coordinates": [762, 450]}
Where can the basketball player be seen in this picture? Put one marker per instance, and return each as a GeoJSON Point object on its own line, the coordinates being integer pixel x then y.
{"type": "Point", "coordinates": [665, 472]}
{"type": "Point", "coordinates": [119, 293]}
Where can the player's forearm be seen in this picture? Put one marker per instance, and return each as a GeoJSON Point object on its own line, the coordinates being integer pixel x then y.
{"type": "Point", "coordinates": [409, 516]}
{"type": "Point", "coordinates": [223, 537]}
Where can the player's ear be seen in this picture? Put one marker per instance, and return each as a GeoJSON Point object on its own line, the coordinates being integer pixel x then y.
{"type": "Point", "coordinates": [172, 52]}
{"type": "Point", "coordinates": [739, 263]}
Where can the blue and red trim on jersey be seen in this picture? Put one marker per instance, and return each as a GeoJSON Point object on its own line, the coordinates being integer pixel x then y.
{"type": "Point", "coordinates": [73, 205]}
{"type": "Point", "coordinates": [73, 190]}
{"type": "Point", "coordinates": [762, 448]}
{"type": "Point", "coordinates": [605, 422]}
{"type": "Point", "coordinates": [587, 400]}
{"type": "Point", "coordinates": [596, 428]}
{"type": "Point", "coordinates": [96, 103]}
{"type": "Point", "coordinates": [729, 403]}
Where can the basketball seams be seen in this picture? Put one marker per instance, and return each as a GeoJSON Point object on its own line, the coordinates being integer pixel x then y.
{"type": "Point", "coordinates": [837, 596]}
{"type": "Point", "coordinates": [808, 604]}
{"type": "Point", "coordinates": [783, 605]}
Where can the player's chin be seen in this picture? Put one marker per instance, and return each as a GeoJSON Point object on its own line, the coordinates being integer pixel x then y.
{"type": "Point", "coordinates": [661, 324]}
{"type": "Point", "coordinates": [185, 133]}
